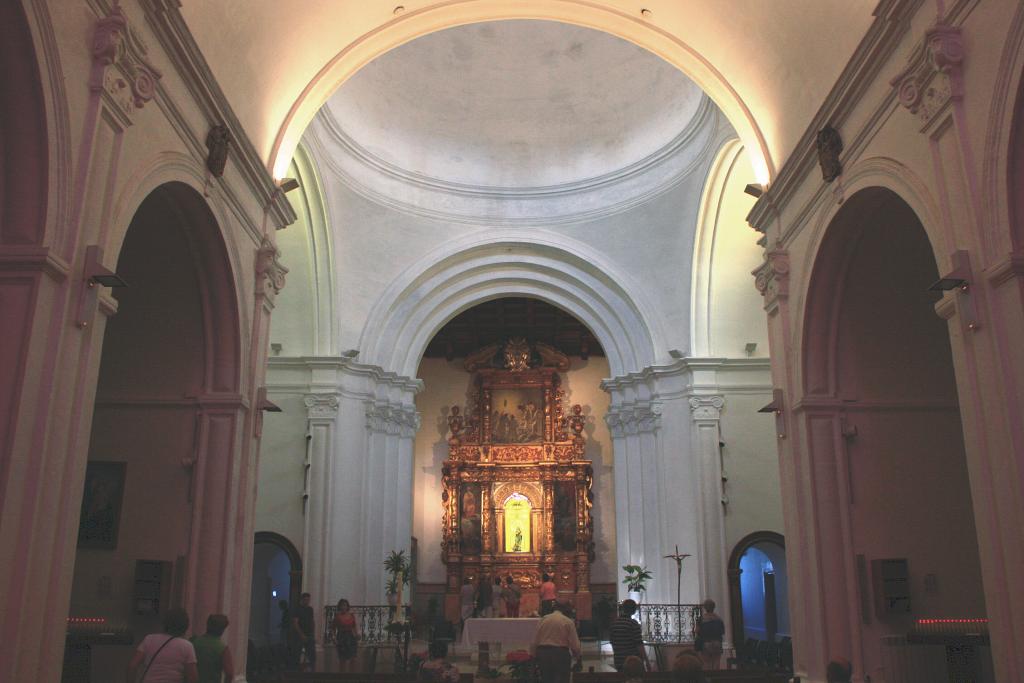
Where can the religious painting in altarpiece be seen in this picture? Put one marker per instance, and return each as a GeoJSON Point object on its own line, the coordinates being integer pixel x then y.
{"type": "Point", "coordinates": [516, 485]}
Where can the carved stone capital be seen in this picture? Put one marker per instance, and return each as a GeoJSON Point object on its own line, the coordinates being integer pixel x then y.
{"type": "Point", "coordinates": [640, 418]}
{"type": "Point", "coordinates": [932, 77]}
{"type": "Point", "coordinates": [321, 406]}
{"type": "Point", "coordinates": [706, 407]}
{"type": "Point", "coordinates": [772, 277]}
{"type": "Point", "coordinates": [121, 69]}
{"type": "Point", "coordinates": [270, 273]}
{"type": "Point", "coordinates": [392, 419]}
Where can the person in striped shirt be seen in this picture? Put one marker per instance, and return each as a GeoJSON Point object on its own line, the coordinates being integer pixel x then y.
{"type": "Point", "coordinates": [626, 637]}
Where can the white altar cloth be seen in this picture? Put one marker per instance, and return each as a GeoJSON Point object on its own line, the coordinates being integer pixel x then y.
{"type": "Point", "coordinates": [504, 631]}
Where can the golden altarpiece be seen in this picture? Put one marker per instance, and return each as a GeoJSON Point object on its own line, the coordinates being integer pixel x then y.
{"type": "Point", "coordinates": [517, 491]}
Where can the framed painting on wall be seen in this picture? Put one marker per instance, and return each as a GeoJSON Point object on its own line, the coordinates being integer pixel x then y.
{"type": "Point", "coordinates": [101, 505]}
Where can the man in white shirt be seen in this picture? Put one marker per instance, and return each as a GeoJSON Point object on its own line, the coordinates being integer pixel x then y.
{"type": "Point", "coordinates": [555, 645]}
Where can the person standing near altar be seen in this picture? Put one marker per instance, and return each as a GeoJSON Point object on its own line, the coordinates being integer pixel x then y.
{"type": "Point", "coordinates": [556, 644]}
{"type": "Point", "coordinates": [512, 595]}
{"type": "Point", "coordinates": [548, 594]}
{"type": "Point", "coordinates": [484, 598]}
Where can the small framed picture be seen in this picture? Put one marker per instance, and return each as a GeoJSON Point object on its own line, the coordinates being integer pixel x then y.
{"type": "Point", "coordinates": [101, 505]}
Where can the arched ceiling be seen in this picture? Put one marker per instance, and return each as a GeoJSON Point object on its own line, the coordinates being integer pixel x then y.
{"type": "Point", "coordinates": [513, 104]}
{"type": "Point", "coordinates": [768, 65]}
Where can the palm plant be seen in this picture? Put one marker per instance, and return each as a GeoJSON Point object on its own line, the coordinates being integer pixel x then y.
{"type": "Point", "coordinates": [396, 564]}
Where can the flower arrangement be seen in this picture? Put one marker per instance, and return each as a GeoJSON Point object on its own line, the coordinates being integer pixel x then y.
{"type": "Point", "coordinates": [521, 665]}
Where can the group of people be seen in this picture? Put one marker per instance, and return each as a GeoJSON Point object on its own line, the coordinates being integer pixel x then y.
{"type": "Point", "coordinates": [169, 657]}
{"type": "Point", "coordinates": [500, 599]}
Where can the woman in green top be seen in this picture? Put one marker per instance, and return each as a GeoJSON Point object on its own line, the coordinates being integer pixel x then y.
{"type": "Point", "coordinates": [212, 654]}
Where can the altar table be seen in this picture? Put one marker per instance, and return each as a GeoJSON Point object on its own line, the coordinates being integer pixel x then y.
{"type": "Point", "coordinates": [504, 631]}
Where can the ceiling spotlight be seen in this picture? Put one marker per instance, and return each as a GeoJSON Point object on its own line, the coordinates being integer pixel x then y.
{"type": "Point", "coordinates": [754, 189]}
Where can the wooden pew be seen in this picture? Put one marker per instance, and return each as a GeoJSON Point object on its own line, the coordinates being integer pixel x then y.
{"type": "Point", "coordinates": [306, 677]}
{"type": "Point", "coordinates": [722, 676]}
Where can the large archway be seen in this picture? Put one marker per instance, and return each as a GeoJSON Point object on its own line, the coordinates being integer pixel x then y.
{"type": "Point", "coordinates": [883, 430]}
{"type": "Point", "coordinates": [154, 521]}
{"type": "Point", "coordinates": [758, 605]}
{"type": "Point", "coordinates": [511, 262]}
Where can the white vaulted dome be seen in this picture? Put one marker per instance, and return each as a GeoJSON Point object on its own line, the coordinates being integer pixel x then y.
{"type": "Point", "coordinates": [515, 119]}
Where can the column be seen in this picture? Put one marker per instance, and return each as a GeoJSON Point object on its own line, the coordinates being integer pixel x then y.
{"type": "Point", "coordinates": [706, 412]}
{"type": "Point", "coordinates": [322, 419]}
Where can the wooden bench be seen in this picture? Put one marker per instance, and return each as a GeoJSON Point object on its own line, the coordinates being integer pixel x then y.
{"type": "Point", "coordinates": [307, 677]}
{"type": "Point", "coordinates": [722, 676]}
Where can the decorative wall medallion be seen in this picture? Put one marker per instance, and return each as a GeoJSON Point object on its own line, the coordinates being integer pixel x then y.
{"type": "Point", "coordinates": [218, 141]}
{"type": "Point", "coordinates": [830, 146]}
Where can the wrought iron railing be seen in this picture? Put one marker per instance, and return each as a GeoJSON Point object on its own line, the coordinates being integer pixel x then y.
{"type": "Point", "coordinates": [665, 623]}
{"type": "Point", "coordinates": [372, 620]}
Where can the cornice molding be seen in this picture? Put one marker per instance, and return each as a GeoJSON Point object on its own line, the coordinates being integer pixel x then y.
{"type": "Point", "coordinates": [334, 150]}
{"type": "Point", "coordinates": [170, 29]}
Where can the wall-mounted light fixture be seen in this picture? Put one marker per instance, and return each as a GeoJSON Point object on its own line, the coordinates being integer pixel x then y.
{"type": "Point", "coordinates": [288, 184]}
{"type": "Point", "coordinates": [776, 406]}
{"type": "Point", "coordinates": [958, 281]}
{"type": "Point", "coordinates": [750, 348]}
{"type": "Point", "coordinates": [98, 274]}
{"type": "Point", "coordinates": [754, 189]}
{"type": "Point", "coordinates": [94, 273]}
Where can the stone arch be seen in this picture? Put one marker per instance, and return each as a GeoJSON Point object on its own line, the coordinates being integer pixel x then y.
{"type": "Point", "coordinates": [510, 263]}
{"type": "Point", "coordinates": [1003, 172]}
{"type": "Point", "coordinates": [416, 23]}
{"type": "Point", "coordinates": [24, 166]}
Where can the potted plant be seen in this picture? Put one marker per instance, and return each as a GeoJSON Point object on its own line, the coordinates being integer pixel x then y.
{"type": "Point", "coordinates": [636, 580]}
{"type": "Point", "coordinates": [397, 565]}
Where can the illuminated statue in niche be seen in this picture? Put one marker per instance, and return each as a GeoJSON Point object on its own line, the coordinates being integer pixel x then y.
{"type": "Point", "coordinates": [517, 524]}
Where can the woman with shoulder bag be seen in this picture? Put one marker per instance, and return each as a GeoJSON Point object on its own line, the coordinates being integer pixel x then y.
{"type": "Point", "coordinates": [167, 656]}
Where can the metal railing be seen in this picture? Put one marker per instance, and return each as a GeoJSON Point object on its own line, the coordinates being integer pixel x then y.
{"type": "Point", "coordinates": [666, 623]}
{"type": "Point", "coordinates": [372, 621]}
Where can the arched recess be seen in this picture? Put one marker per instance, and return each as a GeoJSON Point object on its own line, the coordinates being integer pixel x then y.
{"type": "Point", "coordinates": [304, 317]}
{"type": "Point", "coordinates": [734, 573]}
{"type": "Point", "coordinates": [723, 307]}
{"type": "Point", "coordinates": [510, 263]}
{"type": "Point", "coordinates": [881, 424]}
{"type": "Point", "coordinates": [165, 438]}
{"type": "Point", "coordinates": [263, 609]}
{"type": "Point", "coordinates": [415, 23]}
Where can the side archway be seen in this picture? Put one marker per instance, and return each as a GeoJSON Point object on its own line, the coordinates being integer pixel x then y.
{"type": "Point", "coordinates": [879, 408]}
{"type": "Point", "coordinates": [276, 578]}
{"type": "Point", "coordinates": [735, 574]}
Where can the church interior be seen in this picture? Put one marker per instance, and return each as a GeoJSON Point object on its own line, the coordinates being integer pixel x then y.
{"type": "Point", "coordinates": [379, 302]}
